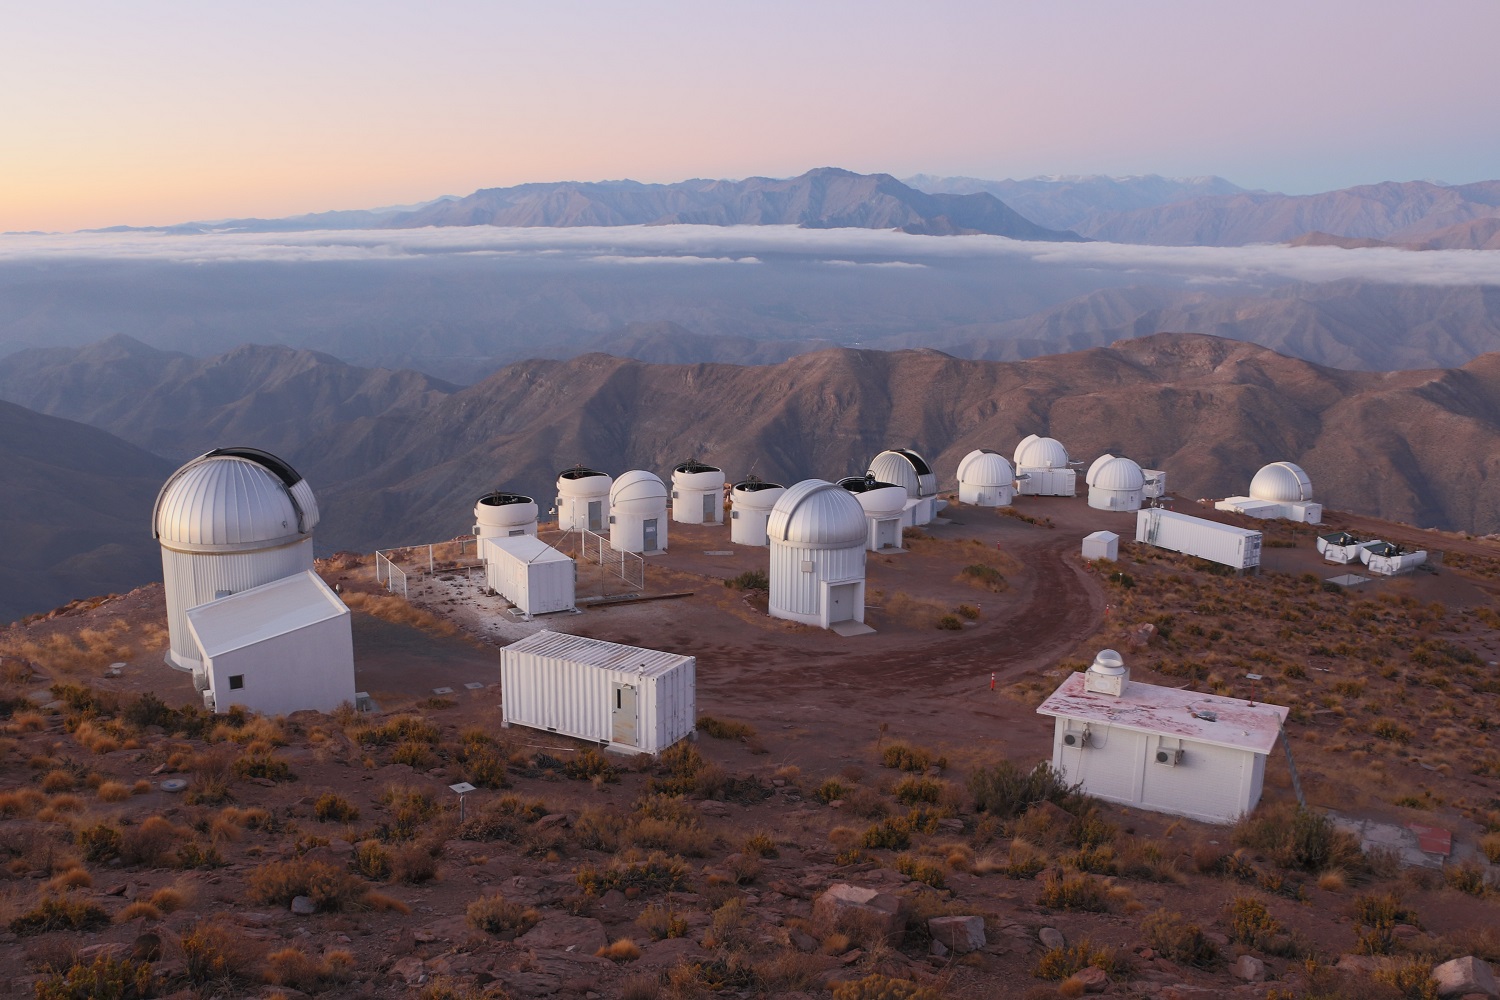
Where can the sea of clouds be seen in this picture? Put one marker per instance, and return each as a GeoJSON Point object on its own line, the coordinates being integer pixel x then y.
{"type": "Point", "coordinates": [680, 245]}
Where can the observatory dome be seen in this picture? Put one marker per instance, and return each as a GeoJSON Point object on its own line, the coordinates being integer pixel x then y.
{"type": "Point", "coordinates": [1281, 482]}
{"type": "Point", "coordinates": [1041, 453]}
{"type": "Point", "coordinates": [754, 494]}
{"type": "Point", "coordinates": [877, 499]}
{"type": "Point", "coordinates": [638, 492]}
{"type": "Point", "coordinates": [818, 514]}
{"type": "Point", "coordinates": [905, 468]}
{"type": "Point", "coordinates": [1117, 474]}
{"type": "Point", "coordinates": [504, 514]}
{"type": "Point", "coordinates": [985, 468]}
{"type": "Point", "coordinates": [234, 500]}
{"type": "Point", "coordinates": [695, 475]}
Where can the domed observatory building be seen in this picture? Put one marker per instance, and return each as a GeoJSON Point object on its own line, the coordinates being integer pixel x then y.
{"type": "Point", "coordinates": [750, 510]}
{"type": "Point", "coordinates": [229, 520]}
{"type": "Point", "coordinates": [1280, 489]}
{"type": "Point", "coordinates": [638, 513]}
{"type": "Point", "coordinates": [986, 479]}
{"type": "Point", "coordinates": [1042, 468]}
{"type": "Point", "coordinates": [883, 504]}
{"type": "Point", "coordinates": [818, 534]}
{"type": "Point", "coordinates": [504, 515]}
{"type": "Point", "coordinates": [583, 500]}
{"type": "Point", "coordinates": [697, 493]}
{"type": "Point", "coordinates": [1115, 484]}
{"type": "Point", "coordinates": [910, 471]}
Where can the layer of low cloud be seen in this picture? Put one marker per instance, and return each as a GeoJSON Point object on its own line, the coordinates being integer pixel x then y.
{"type": "Point", "coordinates": [754, 244]}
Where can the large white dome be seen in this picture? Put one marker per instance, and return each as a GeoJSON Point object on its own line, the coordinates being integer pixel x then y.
{"type": "Point", "coordinates": [1281, 482]}
{"type": "Point", "coordinates": [233, 500]}
{"type": "Point", "coordinates": [905, 468]}
{"type": "Point", "coordinates": [985, 468]}
{"type": "Point", "coordinates": [638, 492]}
{"type": "Point", "coordinates": [1117, 474]}
{"type": "Point", "coordinates": [1041, 453]}
{"type": "Point", "coordinates": [818, 514]}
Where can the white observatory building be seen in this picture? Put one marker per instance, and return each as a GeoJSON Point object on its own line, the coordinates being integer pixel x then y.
{"type": "Point", "coordinates": [227, 521]}
{"type": "Point", "coordinates": [818, 535]}
{"type": "Point", "coordinates": [1043, 469]}
{"type": "Point", "coordinates": [883, 505]}
{"type": "Point", "coordinates": [986, 479]}
{"type": "Point", "coordinates": [1280, 489]}
{"type": "Point", "coordinates": [246, 613]}
{"type": "Point", "coordinates": [750, 510]}
{"type": "Point", "coordinates": [910, 471]}
{"type": "Point", "coordinates": [1165, 749]}
{"type": "Point", "coordinates": [583, 500]}
{"type": "Point", "coordinates": [697, 493]}
{"type": "Point", "coordinates": [504, 515]}
{"type": "Point", "coordinates": [638, 513]}
{"type": "Point", "coordinates": [1115, 484]}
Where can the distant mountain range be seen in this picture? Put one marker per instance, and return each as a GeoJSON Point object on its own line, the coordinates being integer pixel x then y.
{"type": "Point", "coordinates": [397, 457]}
{"type": "Point", "coordinates": [826, 198]}
{"type": "Point", "coordinates": [1080, 200]}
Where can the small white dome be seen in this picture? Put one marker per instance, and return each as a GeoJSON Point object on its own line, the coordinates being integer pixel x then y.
{"type": "Point", "coordinates": [1041, 453]}
{"type": "Point", "coordinates": [876, 498]}
{"type": "Point", "coordinates": [905, 468]}
{"type": "Point", "coordinates": [752, 494]}
{"type": "Point", "coordinates": [1108, 662]}
{"type": "Point", "coordinates": [985, 468]}
{"type": "Point", "coordinates": [818, 514]}
{"type": "Point", "coordinates": [505, 510]}
{"type": "Point", "coordinates": [581, 482]}
{"type": "Point", "coordinates": [1281, 482]}
{"type": "Point", "coordinates": [1117, 474]}
{"type": "Point", "coordinates": [233, 500]}
{"type": "Point", "coordinates": [638, 492]}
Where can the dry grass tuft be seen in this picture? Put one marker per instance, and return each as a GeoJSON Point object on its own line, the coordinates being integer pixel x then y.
{"type": "Point", "coordinates": [138, 910]}
{"type": "Point", "coordinates": [112, 791]}
{"type": "Point", "coordinates": [620, 950]}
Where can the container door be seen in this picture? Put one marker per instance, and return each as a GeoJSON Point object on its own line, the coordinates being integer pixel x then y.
{"type": "Point", "coordinates": [841, 602]}
{"type": "Point", "coordinates": [648, 535]}
{"type": "Point", "coordinates": [710, 513]}
{"type": "Point", "coordinates": [623, 715]}
{"type": "Point", "coordinates": [596, 515]}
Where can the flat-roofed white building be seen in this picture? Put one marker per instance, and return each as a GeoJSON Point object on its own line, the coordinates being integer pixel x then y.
{"type": "Point", "coordinates": [1101, 545]}
{"type": "Point", "coordinates": [1168, 750]}
{"type": "Point", "coordinates": [633, 699]}
{"type": "Point", "coordinates": [281, 647]}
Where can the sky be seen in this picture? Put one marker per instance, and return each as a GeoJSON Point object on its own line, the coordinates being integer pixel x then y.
{"type": "Point", "coordinates": [161, 112]}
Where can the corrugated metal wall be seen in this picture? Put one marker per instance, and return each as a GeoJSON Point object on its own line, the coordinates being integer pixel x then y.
{"type": "Point", "coordinates": [536, 587]}
{"type": "Point", "coordinates": [801, 594]}
{"type": "Point", "coordinates": [1194, 536]}
{"type": "Point", "coordinates": [194, 579]}
{"type": "Point", "coordinates": [748, 526]}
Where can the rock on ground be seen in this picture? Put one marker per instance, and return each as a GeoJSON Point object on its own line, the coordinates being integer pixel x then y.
{"type": "Point", "coordinates": [960, 935]}
{"type": "Point", "coordinates": [844, 904]}
{"type": "Point", "coordinates": [584, 935]}
{"type": "Point", "coordinates": [1465, 975]}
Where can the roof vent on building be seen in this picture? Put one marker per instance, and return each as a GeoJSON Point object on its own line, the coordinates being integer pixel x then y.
{"type": "Point", "coordinates": [1107, 675]}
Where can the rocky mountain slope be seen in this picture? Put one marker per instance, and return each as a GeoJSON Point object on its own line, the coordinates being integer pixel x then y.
{"type": "Point", "coordinates": [77, 505]}
{"type": "Point", "coordinates": [1069, 202]}
{"type": "Point", "coordinates": [403, 466]}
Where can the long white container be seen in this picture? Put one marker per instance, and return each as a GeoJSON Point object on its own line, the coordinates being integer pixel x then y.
{"type": "Point", "coordinates": [1047, 482]}
{"type": "Point", "coordinates": [1237, 548]}
{"type": "Point", "coordinates": [529, 573]}
{"type": "Point", "coordinates": [636, 700]}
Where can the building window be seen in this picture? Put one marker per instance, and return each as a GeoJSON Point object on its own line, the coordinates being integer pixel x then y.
{"type": "Point", "coordinates": [236, 681]}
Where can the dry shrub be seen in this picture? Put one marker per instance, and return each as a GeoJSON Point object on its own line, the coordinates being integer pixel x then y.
{"type": "Point", "coordinates": [598, 829]}
{"type": "Point", "coordinates": [620, 950]}
{"type": "Point", "coordinates": [138, 910]}
{"type": "Point", "coordinates": [494, 914]}
{"type": "Point", "coordinates": [59, 914]}
{"type": "Point", "coordinates": [151, 842]}
{"type": "Point", "coordinates": [334, 808]}
{"type": "Point", "coordinates": [106, 978]}
{"type": "Point", "coordinates": [762, 844]}
{"type": "Point", "coordinates": [99, 843]}
{"type": "Point", "coordinates": [1061, 963]}
{"type": "Point", "coordinates": [213, 771]}
{"type": "Point", "coordinates": [666, 835]}
{"type": "Point", "coordinates": [1179, 939]}
{"type": "Point", "coordinates": [169, 899]}
{"type": "Point", "coordinates": [1298, 838]}
{"type": "Point", "coordinates": [59, 781]}
{"type": "Point", "coordinates": [414, 864]}
{"type": "Point", "coordinates": [371, 860]}
{"type": "Point", "coordinates": [112, 791]}
{"type": "Point", "coordinates": [329, 889]}
{"type": "Point", "coordinates": [215, 951]}
{"type": "Point", "coordinates": [395, 610]}
{"type": "Point", "coordinates": [73, 878]}
{"type": "Point", "coordinates": [878, 986]}
{"type": "Point", "coordinates": [660, 922]}
{"type": "Point", "coordinates": [641, 987]}
{"type": "Point", "coordinates": [292, 967]}
{"type": "Point", "coordinates": [21, 803]}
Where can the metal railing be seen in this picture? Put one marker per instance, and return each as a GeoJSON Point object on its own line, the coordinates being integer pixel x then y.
{"type": "Point", "coordinates": [628, 566]}
{"type": "Point", "coordinates": [391, 573]}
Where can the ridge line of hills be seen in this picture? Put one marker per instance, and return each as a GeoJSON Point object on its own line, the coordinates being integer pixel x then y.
{"type": "Point", "coordinates": [397, 457]}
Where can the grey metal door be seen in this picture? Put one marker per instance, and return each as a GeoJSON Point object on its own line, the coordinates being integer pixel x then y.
{"type": "Point", "coordinates": [596, 515]}
{"type": "Point", "coordinates": [841, 602]}
{"type": "Point", "coordinates": [648, 535]}
{"type": "Point", "coordinates": [623, 715]}
{"type": "Point", "coordinates": [709, 508]}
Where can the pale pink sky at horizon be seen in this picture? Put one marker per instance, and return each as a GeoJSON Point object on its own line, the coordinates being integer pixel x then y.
{"type": "Point", "coordinates": [160, 112]}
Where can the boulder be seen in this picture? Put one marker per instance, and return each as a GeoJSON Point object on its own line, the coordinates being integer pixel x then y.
{"type": "Point", "coordinates": [565, 933]}
{"type": "Point", "coordinates": [1249, 968]}
{"type": "Point", "coordinates": [303, 906]}
{"type": "Point", "coordinates": [960, 935]}
{"type": "Point", "coordinates": [880, 912]}
{"type": "Point", "coordinates": [1051, 938]}
{"type": "Point", "coordinates": [1092, 979]}
{"type": "Point", "coordinates": [1465, 975]}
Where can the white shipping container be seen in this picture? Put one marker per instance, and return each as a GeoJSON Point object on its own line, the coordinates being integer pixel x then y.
{"type": "Point", "coordinates": [1237, 548]}
{"type": "Point", "coordinates": [635, 700]}
{"type": "Point", "coordinates": [1047, 482]}
{"type": "Point", "coordinates": [529, 573]}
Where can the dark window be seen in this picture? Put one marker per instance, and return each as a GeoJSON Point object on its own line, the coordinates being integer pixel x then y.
{"type": "Point", "coordinates": [236, 681]}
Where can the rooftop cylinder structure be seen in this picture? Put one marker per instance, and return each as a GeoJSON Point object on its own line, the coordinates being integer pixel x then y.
{"type": "Point", "coordinates": [751, 502]}
{"type": "Point", "coordinates": [638, 513]}
{"type": "Point", "coordinates": [583, 500]}
{"type": "Point", "coordinates": [1042, 468]}
{"type": "Point", "coordinates": [230, 520]}
{"type": "Point", "coordinates": [910, 471]}
{"type": "Point", "coordinates": [883, 504]}
{"type": "Point", "coordinates": [1116, 484]}
{"type": "Point", "coordinates": [818, 534]}
{"type": "Point", "coordinates": [697, 493]}
{"type": "Point", "coordinates": [986, 479]}
{"type": "Point", "coordinates": [504, 515]}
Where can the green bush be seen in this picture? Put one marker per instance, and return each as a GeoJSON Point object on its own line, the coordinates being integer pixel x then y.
{"type": "Point", "coordinates": [100, 843]}
{"type": "Point", "coordinates": [754, 579]}
{"type": "Point", "coordinates": [1005, 791]}
{"type": "Point", "coordinates": [105, 978]}
{"type": "Point", "coordinates": [1179, 940]}
{"type": "Point", "coordinates": [589, 763]}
